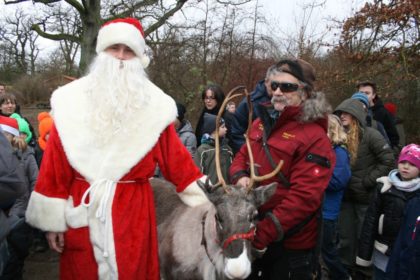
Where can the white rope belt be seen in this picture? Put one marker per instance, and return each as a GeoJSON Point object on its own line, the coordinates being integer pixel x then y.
{"type": "Point", "coordinates": [101, 214]}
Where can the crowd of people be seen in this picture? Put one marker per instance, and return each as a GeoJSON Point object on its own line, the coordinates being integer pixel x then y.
{"type": "Point", "coordinates": [347, 201]}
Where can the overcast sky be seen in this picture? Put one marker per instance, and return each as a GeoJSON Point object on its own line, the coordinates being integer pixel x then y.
{"type": "Point", "coordinates": [284, 14]}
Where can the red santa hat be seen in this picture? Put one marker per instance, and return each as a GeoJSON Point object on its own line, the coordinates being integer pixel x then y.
{"type": "Point", "coordinates": [127, 31]}
{"type": "Point", "coordinates": [9, 125]}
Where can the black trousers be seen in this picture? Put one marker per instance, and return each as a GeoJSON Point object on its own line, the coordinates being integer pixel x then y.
{"type": "Point", "coordinates": [279, 263]}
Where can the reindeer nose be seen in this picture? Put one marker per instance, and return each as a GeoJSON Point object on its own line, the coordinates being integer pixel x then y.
{"type": "Point", "coordinates": [238, 268]}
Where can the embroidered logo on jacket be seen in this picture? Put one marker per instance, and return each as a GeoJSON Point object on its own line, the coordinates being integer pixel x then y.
{"type": "Point", "coordinates": [286, 135]}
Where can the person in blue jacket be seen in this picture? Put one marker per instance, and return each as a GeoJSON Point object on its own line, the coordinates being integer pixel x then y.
{"type": "Point", "coordinates": [332, 200]}
{"type": "Point", "coordinates": [261, 94]}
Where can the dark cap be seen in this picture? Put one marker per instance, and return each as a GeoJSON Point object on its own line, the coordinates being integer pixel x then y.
{"type": "Point", "coordinates": [299, 68]}
{"type": "Point", "coordinates": [209, 123]}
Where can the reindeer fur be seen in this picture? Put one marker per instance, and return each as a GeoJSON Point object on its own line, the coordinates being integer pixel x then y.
{"type": "Point", "coordinates": [180, 233]}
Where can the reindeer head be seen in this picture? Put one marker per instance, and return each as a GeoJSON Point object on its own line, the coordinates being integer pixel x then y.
{"type": "Point", "coordinates": [235, 219]}
{"type": "Point", "coordinates": [236, 207]}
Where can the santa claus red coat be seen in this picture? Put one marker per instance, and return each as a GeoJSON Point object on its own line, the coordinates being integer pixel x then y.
{"type": "Point", "coordinates": [100, 196]}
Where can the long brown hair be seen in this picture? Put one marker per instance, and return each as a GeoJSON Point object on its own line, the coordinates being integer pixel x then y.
{"type": "Point", "coordinates": [336, 131]}
{"type": "Point", "coordinates": [353, 139]}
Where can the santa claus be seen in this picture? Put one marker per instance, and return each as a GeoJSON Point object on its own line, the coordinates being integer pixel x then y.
{"type": "Point", "coordinates": [111, 128]}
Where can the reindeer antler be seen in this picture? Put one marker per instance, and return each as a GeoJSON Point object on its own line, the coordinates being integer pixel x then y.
{"type": "Point", "coordinates": [229, 97]}
{"type": "Point", "coordinates": [254, 178]}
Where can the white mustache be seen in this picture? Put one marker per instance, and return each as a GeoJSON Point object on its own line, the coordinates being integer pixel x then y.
{"type": "Point", "coordinates": [278, 99]}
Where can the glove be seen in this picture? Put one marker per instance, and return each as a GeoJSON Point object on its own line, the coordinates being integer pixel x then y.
{"type": "Point", "coordinates": [266, 233]}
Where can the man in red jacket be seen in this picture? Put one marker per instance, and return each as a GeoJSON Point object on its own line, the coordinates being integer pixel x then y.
{"type": "Point", "coordinates": [292, 128]}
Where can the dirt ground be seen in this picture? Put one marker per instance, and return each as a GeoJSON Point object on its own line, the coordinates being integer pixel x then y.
{"type": "Point", "coordinates": [41, 266]}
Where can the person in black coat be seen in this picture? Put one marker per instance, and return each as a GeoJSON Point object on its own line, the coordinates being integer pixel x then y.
{"type": "Point", "coordinates": [405, 258]}
{"type": "Point", "coordinates": [379, 112]}
{"type": "Point", "coordinates": [213, 97]}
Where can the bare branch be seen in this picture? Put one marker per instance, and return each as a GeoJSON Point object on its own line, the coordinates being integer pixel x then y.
{"type": "Point", "coordinates": [233, 4]}
{"type": "Point", "coordinates": [165, 17]}
{"type": "Point", "coordinates": [74, 3]}
{"type": "Point", "coordinates": [55, 37]}
{"type": "Point", "coordinates": [35, 1]}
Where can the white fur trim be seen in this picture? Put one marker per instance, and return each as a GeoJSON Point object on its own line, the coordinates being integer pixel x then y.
{"type": "Point", "coordinates": [126, 150]}
{"type": "Point", "coordinates": [363, 262]}
{"type": "Point", "coordinates": [122, 33]}
{"type": "Point", "coordinates": [381, 247]}
{"type": "Point", "coordinates": [381, 224]}
{"type": "Point", "coordinates": [386, 183]}
{"type": "Point", "coordinates": [10, 129]}
{"type": "Point", "coordinates": [145, 60]}
{"type": "Point", "coordinates": [46, 213]}
{"type": "Point", "coordinates": [193, 195]}
{"type": "Point", "coordinates": [76, 217]}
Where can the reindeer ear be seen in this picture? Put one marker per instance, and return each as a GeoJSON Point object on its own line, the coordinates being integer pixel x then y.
{"type": "Point", "coordinates": [263, 193]}
{"type": "Point", "coordinates": [207, 187]}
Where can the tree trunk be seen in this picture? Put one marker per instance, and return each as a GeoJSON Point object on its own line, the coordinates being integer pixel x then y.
{"type": "Point", "coordinates": [91, 23]}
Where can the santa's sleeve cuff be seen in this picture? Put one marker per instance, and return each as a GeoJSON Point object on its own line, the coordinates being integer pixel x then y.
{"type": "Point", "coordinates": [46, 213]}
{"type": "Point", "coordinates": [193, 195]}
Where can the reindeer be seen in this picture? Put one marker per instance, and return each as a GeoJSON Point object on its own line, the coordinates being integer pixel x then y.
{"type": "Point", "coordinates": [211, 241]}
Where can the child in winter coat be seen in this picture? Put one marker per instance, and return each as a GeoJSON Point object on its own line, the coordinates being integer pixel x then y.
{"type": "Point", "coordinates": [404, 261]}
{"type": "Point", "coordinates": [20, 237]}
{"type": "Point", "coordinates": [386, 212]}
{"type": "Point", "coordinates": [332, 199]}
{"type": "Point", "coordinates": [205, 155]}
{"type": "Point", "coordinates": [184, 130]}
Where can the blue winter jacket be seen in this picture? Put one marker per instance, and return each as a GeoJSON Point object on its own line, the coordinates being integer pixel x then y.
{"type": "Point", "coordinates": [339, 181]}
{"type": "Point", "coordinates": [405, 258]}
{"type": "Point", "coordinates": [239, 126]}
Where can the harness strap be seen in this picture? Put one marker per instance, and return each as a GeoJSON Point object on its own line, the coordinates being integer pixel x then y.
{"type": "Point", "coordinates": [203, 238]}
{"type": "Point", "coordinates": [281, 176]}
{"type": "Point", "coordinates": [250, 235]}
{"type": "Point", "coordinates": [295, 229]}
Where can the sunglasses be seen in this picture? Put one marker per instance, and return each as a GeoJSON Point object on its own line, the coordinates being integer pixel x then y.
{"type": "Point", "coordinates": [284, 87]}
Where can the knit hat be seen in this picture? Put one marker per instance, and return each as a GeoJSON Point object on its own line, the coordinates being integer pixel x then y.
{"type": "Point", "coordinates": [127, 31]}
{"type": "Point", "coordinates": [44, 127]}
{"type": "Point", "coordinates": [299, 68]}
{"type": "Point", "coordinates": [23, 126]}
{"type": "Point", "coordinates": [181, 111]}
{"type": "Point", "coordinates": [411, 153]}
{"type": "Point", "coordinates": [209, 123]}
{"type": "Point", "coordinates": [9, 125]}
{"type": "Point", "coordinates": [354, 108]}
{"type": "Point", "coordinates": [391, 107]}
{"type": "Point", "coordinates": [362, 98]}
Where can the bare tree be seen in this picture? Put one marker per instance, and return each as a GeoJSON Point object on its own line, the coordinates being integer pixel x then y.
{"type": "Point", "coordinates": [21, 41]}
{"type": "Point", "coordinates": [92, 16]}
{"type": "Point", "coordinates": [305, 39]}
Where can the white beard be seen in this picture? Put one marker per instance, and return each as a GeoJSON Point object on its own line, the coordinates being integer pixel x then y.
{"type": "Point", "coordinates": [116, 94]}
